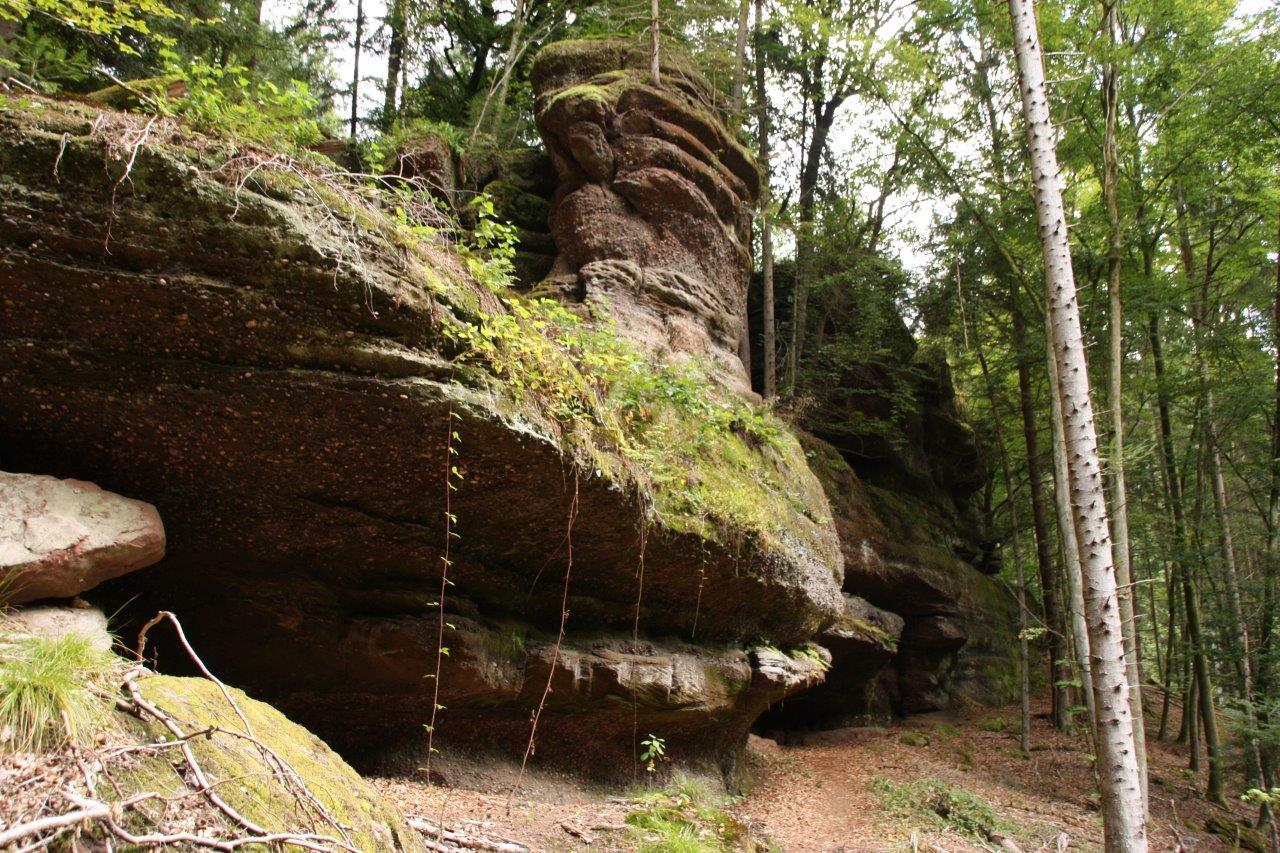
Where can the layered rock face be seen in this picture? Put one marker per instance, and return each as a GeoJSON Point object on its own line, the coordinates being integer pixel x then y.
{"type": "Point", "coordinates": [651, 215]}
{"type": "Point", "coordinates": [263, 356]}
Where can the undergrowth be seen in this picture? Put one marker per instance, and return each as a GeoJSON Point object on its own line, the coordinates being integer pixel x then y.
{"type": "Point", "coordinates": [695, 451]}
{"type": "Point", "coordinates": [46, 692]}
{"type": "Point", "coordinates": [687, 817]}
{"type": "Point", "coordinates": [935, 804]}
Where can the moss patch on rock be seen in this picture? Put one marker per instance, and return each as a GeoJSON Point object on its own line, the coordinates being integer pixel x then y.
{"type": "Point", "coordinates": [243, 777]}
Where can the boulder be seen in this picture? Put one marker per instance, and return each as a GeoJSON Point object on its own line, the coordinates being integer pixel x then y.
{"type": "Point", "coordinates": [59, 538]}
{"type": "Point", "coordinates": [52, 622]}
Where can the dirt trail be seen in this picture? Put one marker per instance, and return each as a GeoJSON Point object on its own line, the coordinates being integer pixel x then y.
{"type": "Point", "coordinates": [819, 793]}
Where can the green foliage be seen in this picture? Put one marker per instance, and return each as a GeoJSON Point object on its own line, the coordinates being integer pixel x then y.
{"type": "Point", "coordinates": [913, 738]}
{"type": "Point", "coordinates": [687, 817]}
{"type": "Point", "coordinates": [939, 804]}
{"type": "Point", "coordinates": [41, 680]}
{"type": "Point", "coordinates": [991, 724]}
{"type": "Point", "coordinates": [234, 102]}
{"type": "Point", "coordinates": [695, 451]}
{"type": "Point", "coordinates": [653, 750]}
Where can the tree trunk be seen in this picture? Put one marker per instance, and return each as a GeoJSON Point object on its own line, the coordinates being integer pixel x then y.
{"type": "Point", "coordinates": [1119, 773]}
{"type": "Point", "coordinates": [1040, 519]}
{"type": "Point", "coordinates": [739, 57]}
{"type": "Point", "coordinates": [1024, 656]}
{"type": "Point", "coordinates": [497, 94]}
{"type": "Point", "coordinates": [823, 117]}
{"type": "Point", "coordinates": [395, 62]}
{"type": "Point", "coordinates": [355, 67]}
{"type": "Point", "coordinates": [770, 330]}
{"type": "Point", "coordinates": [654, 63]}
{"type": "Point", "coordinates": [1191, 597]}
{"type": "Point", "coordinates": [1115, 402]}
{"type": "Point", "coordinates": [1070, 548]}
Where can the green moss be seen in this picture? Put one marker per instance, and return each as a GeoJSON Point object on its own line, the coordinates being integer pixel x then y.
{"type": "Point", "coordinates": [913, 738]}
{"type": "Point", "coordinates": [520, 208]}
{"type": "Point", "coordinates": [247, 783]}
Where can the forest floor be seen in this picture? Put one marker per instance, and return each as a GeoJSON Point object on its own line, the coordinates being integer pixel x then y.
{"type": "Point", "coordinates": [857, 790]}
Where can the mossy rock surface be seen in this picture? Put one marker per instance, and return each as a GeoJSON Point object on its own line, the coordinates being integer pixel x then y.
{"type": "Point", "coordinates": [247, 783]}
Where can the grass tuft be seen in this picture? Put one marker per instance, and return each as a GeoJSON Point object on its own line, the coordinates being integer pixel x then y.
{"type": "Point", "coordinates": [687, 817]}
{"type": "Point", "coordinates": [42, 679]}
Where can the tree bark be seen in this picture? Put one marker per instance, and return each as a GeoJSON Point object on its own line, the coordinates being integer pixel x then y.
{"type": "Point", "coordinates": [1024, 656]}
{"type": "Point", "coordinates": [1115, 402]}
{"type": "Point", "coordinates": [1070, 548]}
{"type": "Point", "coordinates": [770, 331]}
{"type": "Point", "coordinates": [1119, 773]}
{"type": "Point", "coordinates": [1203, 686]}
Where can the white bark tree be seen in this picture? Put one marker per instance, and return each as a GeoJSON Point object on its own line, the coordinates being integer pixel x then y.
{"type": "Point", "coordinates": [1115, 399]}
{"type": "Point", "coordinates": [1119, 775]}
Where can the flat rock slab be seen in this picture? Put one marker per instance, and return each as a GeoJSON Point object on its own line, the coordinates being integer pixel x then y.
{"type": "Point", "coordinates": [59, 538]}
{"type": "Point", "coordinates": [53, 623]}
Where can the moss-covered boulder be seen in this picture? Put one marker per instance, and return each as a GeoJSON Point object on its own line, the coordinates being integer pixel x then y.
{"type": "Point", "coordinates": [251, 781]}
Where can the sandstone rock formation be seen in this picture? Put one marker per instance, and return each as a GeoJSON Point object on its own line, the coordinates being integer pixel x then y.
{"type": "Point", "coordinates": [651, 216]}
{"type": "Point", "coordinates": [59, 538]}
{"type": "Point", "coordinates": [52, 622]}
{"type": "Point", "coordinates": [278, 377]}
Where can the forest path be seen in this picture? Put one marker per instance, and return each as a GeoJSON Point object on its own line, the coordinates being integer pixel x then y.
{"type": "Point", "coordinates": [826, 791]}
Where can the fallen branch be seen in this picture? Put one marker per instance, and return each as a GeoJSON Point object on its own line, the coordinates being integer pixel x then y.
{"type": "Point", "coordinates": [462, 840]}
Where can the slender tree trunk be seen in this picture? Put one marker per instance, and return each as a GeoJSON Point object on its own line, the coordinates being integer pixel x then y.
{"type": "Point", "coordinates": [1070, 548]}
{"type": "Point", "coordinates": [739, 57]}
{"type": "Point", "coordinates": [497, 94]}
{"type": "Point", "coordinates": [1115, 402]}
{"type": "Point", "coordinates": [1191, 597]}
{"type": "Point", "coordinates": [1024, 656]}
{"type": "Point", "coordinates": [823, 116]}
{"type": "Point", "coordinates": [1040, 519]}
{"type": "Point", "coordinates": [766, 215]}
{"type": "Point", "coordinates": [355, 67]}
{"type": "Point", "coordinates": [1171, 597]}
{"type": "Point", "coordinates": [1119, 773]}
{"type": "Point", "coordinates": [654, 60]}
{"type": "Point", "coordinates": [395, 62]}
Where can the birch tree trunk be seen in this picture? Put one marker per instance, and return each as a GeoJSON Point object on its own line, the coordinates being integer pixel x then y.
{"type": "Point", "coordinates": [1119, 773]}
{"type": "Point", "coordinates": [770, 331]}
{"type": "Point", "coordinates": [1115, 402]}
{"type": "Point", "coordinates": [1070, 548]}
